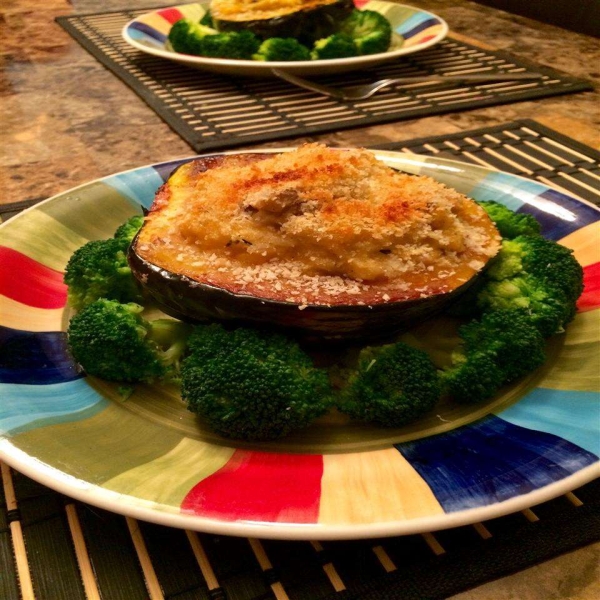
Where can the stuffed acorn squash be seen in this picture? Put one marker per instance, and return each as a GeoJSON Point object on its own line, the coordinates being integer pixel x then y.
{"type": "Point", "coordinates": [328, 242]}
{"type": "Point", "coordinates": [305, 20]}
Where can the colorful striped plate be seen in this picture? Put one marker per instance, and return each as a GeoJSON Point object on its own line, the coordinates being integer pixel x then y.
{"type": "Point", "coordinates": [416, 30]}
{"type": "Point", "coordinates": [148, 457]}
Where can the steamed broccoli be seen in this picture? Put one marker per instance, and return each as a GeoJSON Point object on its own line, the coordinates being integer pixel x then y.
{"type": "Point", "coordinates": [370, 31]}
{"type": "Point", "coordinates": [499, 348]}
{"type": "Point", "coordinates": [113, 341]}
{"type": "Point", "coordinates": [128, 230]}
{"type": "Point", "coordinates": [547, 261]}
{"type": "Point", "coordinates": [510, 224]}
{"type": "Point", "coordinates": [538, 276]}
{"type": "Point", "coordinates": [240, 45]}
{"type": "Point", "coordinates": [283, 49]}
{"type": "Point", "coordinates": [207, 20]}
{"type": "Point", "coordinates": [393, 385]}
{"type": "Point", "coordinates": [189, 37]}
{"type": "Point", "coordinates": [99, 269]}
{"type": "Point", "coordinates": [186, 36]}
{"type": "Point", "coordinates": [547, 307]}
{"type": "Point", "coordinates": [338, 45]}
{"type": "Point", "coordinates": [252, 385]}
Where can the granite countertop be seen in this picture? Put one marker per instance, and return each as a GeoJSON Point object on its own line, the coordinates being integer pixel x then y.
{"type": "Point", "coordinates": [68, 120]}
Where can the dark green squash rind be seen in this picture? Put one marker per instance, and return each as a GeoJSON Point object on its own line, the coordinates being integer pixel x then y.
{"type": "Point", "coordinates": [190, 300]}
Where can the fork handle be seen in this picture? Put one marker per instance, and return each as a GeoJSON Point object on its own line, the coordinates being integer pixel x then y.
{"type": "Point", "coordinates": [466, 77]}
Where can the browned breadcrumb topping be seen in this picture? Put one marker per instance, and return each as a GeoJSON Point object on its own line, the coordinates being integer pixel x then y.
{"type": "Point", "coordinates": [316, 226]}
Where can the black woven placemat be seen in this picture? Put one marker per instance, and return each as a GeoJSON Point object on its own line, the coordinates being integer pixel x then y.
{"type": "Point", "coordinates": [523, 148]}
{"type": "Point", "coordinates": [65, 550]}
{"type": "Point", "coordinates": [211, 111]}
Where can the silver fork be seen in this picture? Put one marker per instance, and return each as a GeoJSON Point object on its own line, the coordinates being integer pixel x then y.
{"type": "Point", "coordinates": [361, 92]}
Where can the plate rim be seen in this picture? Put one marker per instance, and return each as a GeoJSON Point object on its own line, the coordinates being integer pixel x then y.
{"type": "Point", "coordinates": [265, 67]}
{"type": "Point", "coordinates": [145, 510]}
{"type": "Point", "coordinates": [150, 511]}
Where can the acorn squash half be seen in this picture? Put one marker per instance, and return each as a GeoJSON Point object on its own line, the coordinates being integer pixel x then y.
{"type": "Point", "coordinates": [305, 20]}
{"type": "Point", "coordinates": [271, 240]}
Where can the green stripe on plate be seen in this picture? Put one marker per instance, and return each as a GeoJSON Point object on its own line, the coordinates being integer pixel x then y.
{"type": "Point", "coordinates": [101, 447]}
{"type": "Point", "coordinates": [169, 478]}
{"type": "Point", "coordinates": [104, 209]}
{"type": "Point", "coordinates": [577, 367]}
{"type": "Point", "coordinates": [52, 249]}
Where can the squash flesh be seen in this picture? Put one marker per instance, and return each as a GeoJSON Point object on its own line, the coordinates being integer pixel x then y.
{"type": "Point", "coordinates": [233, 227]}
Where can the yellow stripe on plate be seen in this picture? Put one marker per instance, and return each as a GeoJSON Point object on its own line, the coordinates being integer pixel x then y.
{"type": "Point", "coordinates": [169, 478]}
{"type": "Point", "coordinates": [584, 242]}
{"type": "Point", "coordinates": [373, 487]}
{"type": "Point", "coordinates": [42, 238]}
{"type": "Point", "coordinates": [577, 366]}
{"type": "Point", "coordinates": [157, 22]}
{"type": "Point", "coordinates": [28, 318]}
{"type": "Point", "coordinates": [192, 11]}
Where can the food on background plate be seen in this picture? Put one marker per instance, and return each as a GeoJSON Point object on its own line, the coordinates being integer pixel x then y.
{"type": "Point", "coordinates": [296, 30]}
{"type": "Point", "coordinates": [305, 20]}
{"type": "Point", "coordinates": [252, 383]}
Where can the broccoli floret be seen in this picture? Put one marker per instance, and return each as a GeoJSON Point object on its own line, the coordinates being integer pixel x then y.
{"type": "Point", "coordinates": [393, 385]}
{"type": "Point", "coordinates": [546, 305]}
{"type": "Point", "coordinates": [99, 269]}
{"type": "Point", "coordinates": [252, 385]}
{"type": "Point", "coordinates": [536, 275]}
{"type": "Point", "coordinates": [113, 341]}
{"type": "Point", "coordinates": [207, 20]}
{"type": "Point", "coordinates": [370, 31]}
{"type": "Point", "coordinates": [501, 347]}
{"type": "Point", "coordinates": [128, 229]}
{"type": "Point", "coordinates": [338, 45]}
{"type": "Point", "coordinates": [498, 349]}
{"type": "Point", "coordinates": [240, 45]}
{"type": "Point", "coordinates": [186, 36]}
{"type": "Point", "coordinates": [510, 224]}
{"type": "Point", "coordinates": [547, 261]}
{"type": "Point", "coordinates": [473, 379]}
{"type": "Point", "coordinates": [530, 274]}
{"type": "Point", "coordinates": [283, 49]}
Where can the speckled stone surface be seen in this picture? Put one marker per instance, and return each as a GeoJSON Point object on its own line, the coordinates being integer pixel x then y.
{"type": "Point", "coordinates": [67, 120]}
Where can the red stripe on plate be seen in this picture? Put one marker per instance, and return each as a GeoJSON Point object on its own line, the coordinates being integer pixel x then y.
{"type": "Point", "coordinates": [590, 298]}
{"type": "Point", "coordinates": [261, 486]}
{"type": "Point", "coordinates": [172, 15]}
{"type": "Point", "coordinates": [360, 3]}
{"type": "Point", "coordinates": [27, 281]}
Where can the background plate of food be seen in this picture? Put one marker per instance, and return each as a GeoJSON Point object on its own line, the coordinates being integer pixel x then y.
{"type": "Point", "coordinates": [141, 452]}
{"type": "Point", "coordinates": [321, 36]}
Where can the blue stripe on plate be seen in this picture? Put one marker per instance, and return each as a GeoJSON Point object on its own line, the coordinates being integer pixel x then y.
{"type": "Point", "coordinates": [146, 31]}
{"type": "Point", "coordinates": [491, 461]}
{"type": "Point", "coordinates": [560, 215]}
{"type": "Point", "coordinates": [35, 358]}
{"type": "Point", "coordinates": [415, 24]}
{"type": "Point", "coordinates": [506, 189]}
{"type": "Point", "coordinates": [26, 407]}
{"type": "Point", "coordinates": [571, 415]}
{"type": "Point", "coordinates": [165, 169]}
{"type": "Point", "coordinates": [139, 185]}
